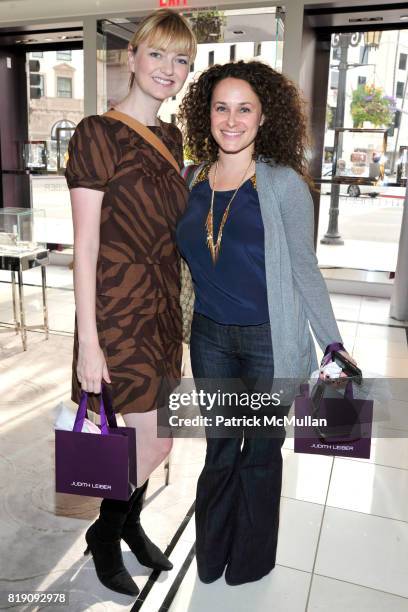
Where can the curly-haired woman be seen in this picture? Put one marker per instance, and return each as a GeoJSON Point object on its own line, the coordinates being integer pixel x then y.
{"type": "Point", "coordinates": [247, 236]}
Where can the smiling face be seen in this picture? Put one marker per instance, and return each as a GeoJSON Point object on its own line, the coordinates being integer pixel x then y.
{"type": "Point", "coordinates": [236, 114]}
{"type": "Point", "coordinates": [158, 73]}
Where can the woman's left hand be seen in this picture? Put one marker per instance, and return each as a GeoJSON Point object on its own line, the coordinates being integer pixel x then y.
{"type": "Point", "coordinates": [336, 381]}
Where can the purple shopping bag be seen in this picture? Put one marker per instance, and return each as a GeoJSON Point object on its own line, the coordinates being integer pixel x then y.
{"type": "Point", "coordinates": [347, 432]}
{"type": "Point", "coordinates": [96, 465]}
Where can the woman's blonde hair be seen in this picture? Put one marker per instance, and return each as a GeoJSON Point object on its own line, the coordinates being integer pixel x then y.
{"type": "Point", "coordinates": [165, 29]}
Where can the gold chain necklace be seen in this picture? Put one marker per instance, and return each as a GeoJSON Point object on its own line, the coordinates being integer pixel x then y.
{"type": "Point", "coordinates": [209, 224]}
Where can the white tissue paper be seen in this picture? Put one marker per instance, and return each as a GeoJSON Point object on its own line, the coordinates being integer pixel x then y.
{"type": "Point", "coordinates": [66, 418]}
{"type": "Point", "coordinates": [331, 369]}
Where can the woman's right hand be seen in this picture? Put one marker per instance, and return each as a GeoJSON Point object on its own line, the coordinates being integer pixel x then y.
{"type": "Point", "coordinates": [92, 367]}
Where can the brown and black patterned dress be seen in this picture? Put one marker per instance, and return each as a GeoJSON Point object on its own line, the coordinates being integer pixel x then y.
{"type": "Point", "coordinates": [137, 279]}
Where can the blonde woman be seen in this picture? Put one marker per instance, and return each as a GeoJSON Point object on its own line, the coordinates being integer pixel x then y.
{"type": "Point", "coordinates": [126, 201]}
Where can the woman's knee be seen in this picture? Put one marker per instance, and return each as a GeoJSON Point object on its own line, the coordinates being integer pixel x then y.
{"type": "Point", "coordinates": [156, 451]}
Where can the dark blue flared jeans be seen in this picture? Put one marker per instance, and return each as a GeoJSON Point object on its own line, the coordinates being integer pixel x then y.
{"type": "Point", "coordinates": [238, 491]}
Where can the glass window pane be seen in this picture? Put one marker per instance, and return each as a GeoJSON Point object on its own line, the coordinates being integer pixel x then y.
{"type": "Point", "coordinates": [64, 56]}
{"type": "Point", "coordinates": [64, 87]}
{"type": "Point", "coordinates": [360, 207]}
{"type": "Point", "coordinates": [54, 111]}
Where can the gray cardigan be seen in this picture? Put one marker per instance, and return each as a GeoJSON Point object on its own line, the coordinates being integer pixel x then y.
{"type": "Point", "coordinates": [297, 293]}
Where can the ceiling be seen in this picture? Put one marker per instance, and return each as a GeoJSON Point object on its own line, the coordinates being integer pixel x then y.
{"type": "Point", "coordinates": [26, 11]}
{"type": "Point", "coordinates": [395, 14]}
{"type": "Point", "coordinates": [48, 18]}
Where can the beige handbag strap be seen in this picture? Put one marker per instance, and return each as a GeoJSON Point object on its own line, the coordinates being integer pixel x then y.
{"type": "Point", "coordinates": [146, 134]}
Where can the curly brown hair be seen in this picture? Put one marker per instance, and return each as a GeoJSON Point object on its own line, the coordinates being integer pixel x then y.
{"type": "Point", "coordinates": [283, 135]}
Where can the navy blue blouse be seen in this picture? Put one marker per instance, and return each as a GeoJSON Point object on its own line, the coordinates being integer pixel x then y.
{"type": "Point", "coordinates": [233, 291]}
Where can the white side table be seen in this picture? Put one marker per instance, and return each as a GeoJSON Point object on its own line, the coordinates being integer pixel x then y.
{"type": "Point", "coordinates": [16, 262]}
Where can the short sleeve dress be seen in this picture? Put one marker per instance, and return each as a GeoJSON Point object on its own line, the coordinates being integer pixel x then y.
{"type": "Point", "coordinates": [138, 313]}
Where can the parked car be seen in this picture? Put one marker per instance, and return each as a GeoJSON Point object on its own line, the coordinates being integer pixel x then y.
{"type": "Point", "coordinates": [354, 190]}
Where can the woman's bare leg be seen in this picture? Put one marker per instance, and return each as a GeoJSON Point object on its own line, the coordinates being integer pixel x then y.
{"type": "Point", "coordinates": [150, 450]}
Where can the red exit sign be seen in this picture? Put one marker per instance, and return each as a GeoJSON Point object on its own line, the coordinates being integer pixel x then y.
{"type": "Point", "coordinates": [167, 3]}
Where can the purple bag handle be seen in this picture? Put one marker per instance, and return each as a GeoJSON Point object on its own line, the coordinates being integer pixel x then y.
{"type": "Point", "coordinates": [82, 412]}
{"type": "Point", "coordinates": [334, 346]}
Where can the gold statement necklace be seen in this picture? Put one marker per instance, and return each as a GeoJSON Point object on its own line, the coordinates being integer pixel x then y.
{"type": "Point", "coordinates": [209, 224]}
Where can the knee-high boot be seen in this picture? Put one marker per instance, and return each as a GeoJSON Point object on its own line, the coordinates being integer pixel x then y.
{"type": "Point", "coordinates": [133, 534]}
{"type": "Point", "coordinates": [103, 540]}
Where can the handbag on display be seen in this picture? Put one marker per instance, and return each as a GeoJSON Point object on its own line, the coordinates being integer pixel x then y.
{"type": "Point", "coordinates": [96, 465]}
{"type": "Point", "coordinates": [333, 424]}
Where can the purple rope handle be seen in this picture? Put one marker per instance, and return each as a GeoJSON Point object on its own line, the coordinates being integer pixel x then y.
{"type": "Point", "coordinates": [82, 412]}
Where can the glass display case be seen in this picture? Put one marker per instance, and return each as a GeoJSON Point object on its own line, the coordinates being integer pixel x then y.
{"type": "Point", "coordinates": [22, 231]}
{"type": "Point", "coordinates": [359, 155]}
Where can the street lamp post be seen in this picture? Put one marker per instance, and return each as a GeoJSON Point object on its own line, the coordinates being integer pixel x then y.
{"type": "Point", "coordinates": [344, 41]}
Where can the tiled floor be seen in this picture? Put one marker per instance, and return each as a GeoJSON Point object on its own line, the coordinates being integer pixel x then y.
{"type": "Point", "coordinates": [344, 522]}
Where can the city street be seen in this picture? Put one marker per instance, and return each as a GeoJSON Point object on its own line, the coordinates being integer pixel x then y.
{"type": "Point", "coordinates": [370, 228]}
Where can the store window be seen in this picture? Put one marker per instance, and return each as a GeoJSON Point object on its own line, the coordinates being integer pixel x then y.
{"type": "Point", "coordinates": [64, 87]}
{"type": "Point", "coordinates": [64, 56]}
{"type": "Point", "coordinates": [360, 202]}
{"type": "Point", "coordinates": [53, 113]}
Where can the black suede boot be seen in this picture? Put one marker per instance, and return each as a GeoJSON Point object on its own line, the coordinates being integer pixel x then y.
{"type": "Point", "coordinates": [142, 547]}
{"type": "Point", "coordinates": [103, 539]}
